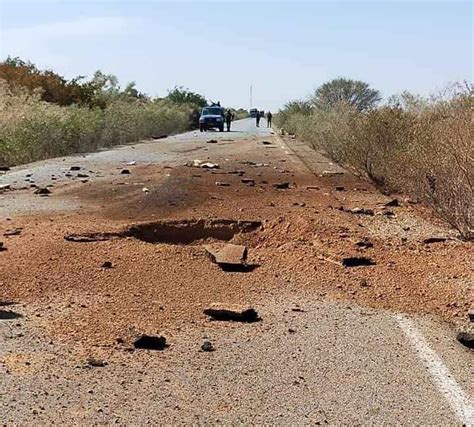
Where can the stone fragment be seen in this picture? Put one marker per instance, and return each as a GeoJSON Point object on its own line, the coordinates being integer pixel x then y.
{"type": "Point", "coordinates": [235, 313]}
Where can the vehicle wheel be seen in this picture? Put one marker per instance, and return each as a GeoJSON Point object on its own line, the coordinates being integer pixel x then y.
{"type": "Point", "coordinates": [201, 128]}
{"type": "Point", "coordinates": [221, 128]}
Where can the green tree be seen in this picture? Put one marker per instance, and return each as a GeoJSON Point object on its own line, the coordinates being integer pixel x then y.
{"type": "Point", "coordinates": [180, 95]}
{"type": "Point", "coordinates": [355, 93]}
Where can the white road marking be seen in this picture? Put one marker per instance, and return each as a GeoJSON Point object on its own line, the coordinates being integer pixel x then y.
{"type": "Point", "coordinates": [459, 401]}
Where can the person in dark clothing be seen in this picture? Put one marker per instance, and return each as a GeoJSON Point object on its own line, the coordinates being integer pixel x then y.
{"type": "Point", "coordinates": [257, 118]}
{"type": "Point", "coordinates": [228, 119]}
{"type": "Point", "coordinates": [269, 119]}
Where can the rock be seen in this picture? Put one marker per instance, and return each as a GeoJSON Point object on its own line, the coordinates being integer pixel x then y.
{"type": "Point", "coordinates": [159, 136]}
{"type": "Point", "coordinates": [82, 175]}
{"type": "Point", "coordinates": [145, 190]}
{"type": "Point", "coordinates": [4, 187]}
{"type": "Point", "coordinates": [209, 165]}
{"type": "Point", "coordinates": [470, 314]}
{"type": "Point", "coordinates": [222, 184]}
{"type": "Point", "coordinates": [4, 168]}
{"type": "Point", "coordinates": [150, 342]}
{"type": "Point", "coordinates": [364, 244]}
{"type": "Point", "coordinates": [2, 248]}
{"type": "Point", "coordinates": [330, 173]}
{"type": "Point", "coordinates": [248, 181]}
{"type": "Point", "coordinates": [362, 211]}
{"type": "Point", "coordinates": [125, 172]}
{"type": "Point", "coordinates": [227, 254]}
{"type": "Point", "coordinates": [13, 232]}
{"type": "Point", "coordinates": [266, 143]}
{"type": "Point", "coordinates": [340, 188]}
{"type": "Point", "coordinates": [75, 168]}
{"type": "Point", "coordinates": [389, 214]}
{"type": "Point", "coordinates": [207, 346]}
{"type": "Point", "coordinates": [107, 264]}
{"type": "Point", "coordinates": [357, 261]}
{"type": "Point", "coordinates": [237, 172]}
{"type": "Point", "coordinates": [281, 185]}
{"type": "Point", "coordinates": [466, 336]}
{"type": "Point", "coordinates": [43, 191]}
{"type": "Point", "coordinates": [364, 283]}
{"type": "Point", "coordinates": [132, 163]}
{"type": "Point", "coordinates": [97, 363]}
{"type": "Point", "coordinates": [311, 187]}
{"type": "Point", "coordinates": [434, 239]}
{"type": "Point", "coordinates": [235, 313]}
{"type": "Point", "coordinates": [212, 141]}
{"type": "Point", "coordinates": [393, 203]}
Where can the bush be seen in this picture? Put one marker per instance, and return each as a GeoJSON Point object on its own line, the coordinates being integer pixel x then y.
{"type": "Point", "coordinates": [419, 147]}
{"type": "Point", "coordinates": [32, 129]}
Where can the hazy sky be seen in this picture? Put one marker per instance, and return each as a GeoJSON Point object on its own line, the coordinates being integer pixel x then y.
{"type": "Point", "coordinates": [284, 49]}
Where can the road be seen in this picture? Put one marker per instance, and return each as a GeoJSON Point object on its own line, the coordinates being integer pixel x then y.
{"type": "Point", "coordinates": [335, 345]}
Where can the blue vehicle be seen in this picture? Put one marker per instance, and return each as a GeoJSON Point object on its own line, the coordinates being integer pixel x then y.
{"type": "Point", "coordinates": [212, 118]}
{"type": "Point", "coordinates": [253, 113]}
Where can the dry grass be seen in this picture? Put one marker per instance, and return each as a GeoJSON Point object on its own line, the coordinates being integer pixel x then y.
{"type": "Point", "coordinates": [31, 129]}
{"type": "Point", "coordinates": [423, 149]}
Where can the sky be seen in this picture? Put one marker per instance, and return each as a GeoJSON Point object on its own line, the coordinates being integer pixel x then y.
{"type": "Point", "coordinates": [284, 49]}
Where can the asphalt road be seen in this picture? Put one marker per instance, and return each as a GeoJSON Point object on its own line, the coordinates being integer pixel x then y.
{"type": "Point", "coordinates": [310, 361]}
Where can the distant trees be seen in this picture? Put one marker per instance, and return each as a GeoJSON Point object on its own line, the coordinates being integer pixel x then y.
{"type": "Point", "coordinates": [354, 93]}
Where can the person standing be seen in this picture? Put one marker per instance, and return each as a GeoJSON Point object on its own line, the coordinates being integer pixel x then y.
{"type": "Point", "coordinates": [269, 119]}
{"type": "Point", "coordinates": [257, 118]}
{"type": "Point", "coordinates": [228, 119]}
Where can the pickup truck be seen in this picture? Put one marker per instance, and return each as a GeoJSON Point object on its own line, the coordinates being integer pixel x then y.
{"type": "Point", "coordinates": [212, 117]}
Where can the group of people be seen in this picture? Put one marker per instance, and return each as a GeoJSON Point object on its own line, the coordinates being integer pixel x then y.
{"type": "Point", "coordinates": [229, 117]}
{"type": "Point", "coordinates": [269, 119]}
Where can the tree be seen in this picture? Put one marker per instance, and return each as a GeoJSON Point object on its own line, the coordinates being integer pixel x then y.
{"type": "Point", "coordinates": [355, 93]}
{"type": "Point", "coordinates": [180, 95]}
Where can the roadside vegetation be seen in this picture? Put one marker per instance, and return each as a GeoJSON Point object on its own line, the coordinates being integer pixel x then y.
{"type": "Point", "coordinates": [43, 115]}
{"type": "Point", "coordinates": [414, 145]}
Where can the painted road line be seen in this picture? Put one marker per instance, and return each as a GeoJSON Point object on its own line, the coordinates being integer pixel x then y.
{"type": "Point", "coordinates": [459, 401]}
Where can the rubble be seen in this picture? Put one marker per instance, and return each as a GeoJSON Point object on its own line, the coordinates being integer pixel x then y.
{"type": "Point", "coordinates": [227, 254]}
{"type": "Point", "coordinates": [150, 342]}
{"type": "Point", "coordinates": [466, 336]}
{"type": "Point", "coordinates": [365, 244]}
{"type": "Point", "coordinates": [393, 203]}
{"type": "Point", "coordinates": [222, 184]}
{"type": "Point", "coordinates": [125, 171]}
{"type": "Point", "coordinates": [248, 181]}
{"type": "Point", "coordinates": [43, 191]}
{"type": "Point", "coordinates": [2, 248]}
{"type": "Point", "coordinates": [13, 232]}
{"type": "Point", "coordinates": [340, 188]}
{"type": "Point", "coordinates": [235, 313]}
{"type": "Point", "coordinates": [357, 261]}
{"type": "Point", "coordinates": [361, 211]}
{"type": "Point", "coordinates": [159, 136]}
{"type": "Point", "coordinates": [4, 187]}
{"type": "Point", "coordinates": [201, 164]}
{"type": "Point", "coordinates": [212, 141]}
{"type": "Point", "coordinates": [207, 346]}
{"type": "Point", "coordinates": [4, 168]}
{"type": "Point", "coordinates": [75, 168]}
{"type": "Point", "coordinates": [434, 239]}
{"type": "Point", "coordinates": [96, 363]}
{"type": "Point", "coordinates": [281, 185]}
{"type": "Point", "coordinates": [107, 265]}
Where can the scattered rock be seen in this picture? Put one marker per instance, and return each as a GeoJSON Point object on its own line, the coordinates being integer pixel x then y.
{"type": "Point", "coordinates": [207, 346]}
{"type": "Point", "coordinates": [145, 190]}
{"type": "Point", "coordinates": [364, 283]}
{"type": "Point", "coordinates": [227, 254]}
{"type": "Point", "coordinates": [393, 203]}
{"type": "Point", "coordinates": [43, 191]}
{"type": "Point", "coordinates": [470, 314]}
{"type": "Point", "coordinates": [362, 211]}
{"type": "Point", "coordinates": [107, 264]}
{"type": "Point", "coordinates": [209, 165]}
{"type": "Point", "coordinates": [87, 238]}
{"type": "Point", "coordinates": [159, 136]}
{"type": "Point", "coordinates": [434, 239]}
{"type": "Point", "coordinates": [125, 172]}
{"type": "Point", "coordinates": [13, 232]}
{"type": "Point", "coordinates": [266, 143]}
{"type": "Point", "coordinates": [237, 172]}
{"type": "Point", "coordinates": [357, 261]}
{"type": "Point", "coordinates": [312, 187]}
{"type": "Point", "coordinates": [150, 342]}
{"type": "Point", "coordinates": [4, 187]}
{"type": "Point", "coordinates": [2, 248]}
{"type": "Point", "coordinates": [222, 184]}
{"type": "Point", "coordinates": [132, 163]}
{"type": "Point", "coordinates": [75, 168]}
{"type": "Point", "coordinates": [364, 244]}
{"type": "Point", "coordinates": [281, 185]}
{"type": "Point", "coordinates": [212, 141]}
{"type": "Point", "coordinates": [330, 173]}
{"type": "Point", "coordinates": [389, 214]}
{"type": "Point", "coordinates": [4, 168]}
{"type": "Point", "coordinates": [96, 363]}
{"type": "Point", "coordinates": [466, 336]}
{"type": "Point", "coordinates": [233, 313]}
{"type": "Point", "coordinates": [340, 188]}
{"type": "Point", "coordinates": [82, 175]}
{"type": "Point", "coordinates": [248, 181]}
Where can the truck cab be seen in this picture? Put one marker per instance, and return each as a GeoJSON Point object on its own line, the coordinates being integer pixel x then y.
{"type": "Point", "coordinates": [212, 117]}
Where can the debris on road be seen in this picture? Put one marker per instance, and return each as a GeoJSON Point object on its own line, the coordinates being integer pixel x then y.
{"type": "Point", "coordinates": [2, 248]}
{"type": "Point", "coordinates": [75, 168]}
{"type": "Point", "coordinates": [201, 164]}
{"type": "Point", "coordinates": [340, 188]}
{"type": "Point", "coordinates": [4, 187]}
{"type": "Point", "coordinates": [266, 143]}
{"type": "Point", "coordinates": [330, 173]}
{"type": "Point", "coordinates": [466, 336]}
{"type": "Point", "coordinates": [125, 171]}
{"type": "Point", "coordinates": [132, 163]}
{"type": "Point", "coordinates": [150, 342]}
{"type": "Point", "coordinates": [212, 141]}
{"type": "Point", "coordinates": [311, 187]}
{"type": "Point", "coordinates": [365, 244]}
{"type": "Point", "coordinates": [82, 175]}
{"type": "Point", "coordinates": [13, 232]}
{"type": "Point", "coordinates": [361, 211]}
{"type": "Point", "coordinates": [222, 184]}
{"type": "Point", "coordinates": [248, 181]}
{"type": "Point", "coordinates": [235, 313]}
{"type": "Point", "coordinates": [107, 264]}
{"type": "Point", "coordinates": [96, 363]}
{"type": "Point", "coordinates": [207, 346]}
{"type": "Point", "coordinates": [357, 261]}
{"type": "Point", "coordinates": [227, 254]}
{"type": "Point", "coordinates": [4, 168]}
{"type": "Point", "coordinates": [87, 238]}
{"type": "Point", "coordinates": [237, 172]}
{"type": "Point", "coordinates": [281, 185]}
{"type": "Point", "coordinates": [434, 239]}
{"type": "Point", "coordinates": [145, 190]}
{"type": "Point", "coordinates": [159, 136]}
{"type": "Point", "coordinates": [470, 314]}
{"type": "Point", "coordinates": [393, 203]}
{"type": "Point", "coordinates": [43, 191]}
